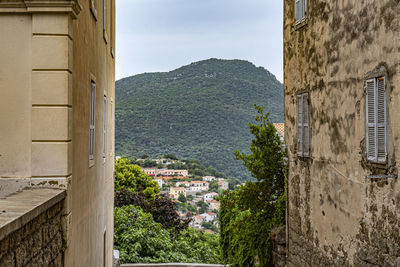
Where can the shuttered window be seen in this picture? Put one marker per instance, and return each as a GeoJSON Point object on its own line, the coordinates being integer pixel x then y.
{"type": "Point", "coordinates": [104, 126]}
{"type": "Point", "coordinates": [92, 109]}
{"type": "Point", "coordinates": [376, 120]}
{"type": "Point", "coordinates": [301, 7]}
{"type": "Point", "coordinates": [303, 126]}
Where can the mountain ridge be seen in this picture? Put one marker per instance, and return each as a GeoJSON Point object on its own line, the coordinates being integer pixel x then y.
{"type": "Point", "coordinates": [198, 111]}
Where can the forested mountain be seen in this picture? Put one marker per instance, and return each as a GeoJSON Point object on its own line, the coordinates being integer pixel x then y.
{"type": "Point", "coordinates": [200, 111]}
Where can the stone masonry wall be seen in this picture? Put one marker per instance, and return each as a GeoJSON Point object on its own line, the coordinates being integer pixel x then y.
{"type": "Point", "coordinates": [37, 243]}
{"type": "Point", "coordinates": [338, 215]}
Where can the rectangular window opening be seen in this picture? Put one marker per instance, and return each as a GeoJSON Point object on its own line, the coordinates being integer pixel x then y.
{"type": "Point", "coordinates": [376, 120]}
{"type": "Point", "coordinates": [104, 126]}
{"type": "Point", "coordinates": [300, 10]}
{"type": "Point", "coordinates": [303, 125]}
{"type": "Point", "coordinates": [92, 119]}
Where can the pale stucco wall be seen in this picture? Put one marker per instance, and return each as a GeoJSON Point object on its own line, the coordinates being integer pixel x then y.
{"type": "Point", "coordinates": [336, 216]}
{"type": "Point", "coordinates": [49, 52]}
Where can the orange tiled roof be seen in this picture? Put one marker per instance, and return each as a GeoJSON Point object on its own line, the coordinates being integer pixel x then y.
{"type": "Point", "coordinates": [280, 127]}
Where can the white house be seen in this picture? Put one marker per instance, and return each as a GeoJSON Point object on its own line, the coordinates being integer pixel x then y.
{"type": "Point", "coordinates": [209, 196]}
{"type": "Point", "coordinates": [209, 216]}
{"type": "Point", "coordinates": [198, 186]}
{"type": "Point", "coordinates": [184, 183]}
{"type": "Point", "coordinates": [223, 185]}
{"type": "Point", "coordinates": [209, 178]}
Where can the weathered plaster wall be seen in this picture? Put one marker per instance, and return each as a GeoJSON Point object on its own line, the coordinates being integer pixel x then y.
{"type": "Point", "coordinates": [336, 216]}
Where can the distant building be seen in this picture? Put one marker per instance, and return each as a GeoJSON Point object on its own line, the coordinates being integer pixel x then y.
{"type": "Point", "coordinates": [198, 220]}
{"type": "Point", "coordinates": [209, 216]}
{"type": "Point", "coordinates": [174, 192]}
{"type": "Point", "coordinates": [213, 204]}
{"type": "Point", "coordinates": [184, 183]}
{"type": "Point", "coordinates": [209, 178]}
{"type": "Point", "coordinates": [223, 185]}
{"type": "Point", "coordinates": [160, 182]}
{"type": "Point", "coordinates": [165, 172]}
{"type": "Point", "coordinates": [198, 186]}
{"type": "Point", "coordinates": [280, 129]}
{"type": "Point", "coordinates": [209, 196]}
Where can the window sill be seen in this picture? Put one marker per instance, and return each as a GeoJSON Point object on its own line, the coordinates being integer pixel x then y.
{"type": "Point", "coordinates": [105, 37]}
{"type": "Point", "coordinates": [91, 163]}
{"type": "Point", "coordinates": [93, 10]}
{"type": "Point", "coordinates": [300, 24]}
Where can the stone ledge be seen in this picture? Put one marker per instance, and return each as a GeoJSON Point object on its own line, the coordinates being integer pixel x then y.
{"type": "Point", "coordinates": [172, 265]}
{"type": "Point", "coordinates": [22, 207]}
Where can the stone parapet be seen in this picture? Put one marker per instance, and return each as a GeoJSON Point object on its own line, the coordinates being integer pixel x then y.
{"type": "Point", "coordinates": [172, 265]}
{"type": "Point", "coordinates": [30, 228]}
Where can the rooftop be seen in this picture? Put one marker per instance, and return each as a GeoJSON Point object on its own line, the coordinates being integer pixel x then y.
{"type": "Point", "coordinates": [280, 127]}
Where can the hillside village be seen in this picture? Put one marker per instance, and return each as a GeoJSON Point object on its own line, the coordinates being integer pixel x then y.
{"type": "Point", "coordinates": [195, 196]}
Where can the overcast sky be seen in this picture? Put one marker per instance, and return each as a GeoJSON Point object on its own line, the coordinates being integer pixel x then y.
{"type": "Point", "coordinates": [162, 35]}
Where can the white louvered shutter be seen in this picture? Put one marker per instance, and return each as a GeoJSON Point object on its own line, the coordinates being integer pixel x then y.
{"type": "Point", "coordinates": [371, 122]}
{"type": "Point", "coordinates": [300, 125]}
{"type": "Point", "coordinates": [306, 127]}
{"type": "Point", "coordinates": [381, 120]}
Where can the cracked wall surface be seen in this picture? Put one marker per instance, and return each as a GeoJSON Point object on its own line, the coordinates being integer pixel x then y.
{"type": "Point", "coordinates": [336, 216]}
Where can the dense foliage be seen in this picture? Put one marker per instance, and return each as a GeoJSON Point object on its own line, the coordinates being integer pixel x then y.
{"type": "Point", "coordinates": [134, 179]}
{"type": "Point", "coordinates": [142, 240]}
{"type": "Point", "coordinates": [247, 215]}
{"type": "Point", "coordinates": [147, 225]}
{"type": "Point", "coordinates": [199, 111]}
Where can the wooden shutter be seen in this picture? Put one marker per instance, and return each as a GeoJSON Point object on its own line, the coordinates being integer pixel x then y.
{"type": "Point", "coordinates": [371, 121]}
{"type": "Point", "coordinates": [300, 125]}
{"type": "Point", "coordinates": [306, 127]}
{"type": "Point", "coordinates": [381, 120]}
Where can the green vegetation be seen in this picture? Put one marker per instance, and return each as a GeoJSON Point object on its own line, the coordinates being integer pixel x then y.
{"type": "Point", "coordinates": [248, 214]}
{"type": "Point", "coordinates": [132, 178]}
{"type": "Point", "coordinates": [199, 111]}
{"type": "Point", "coordinates": [142, 240]}
{"type": "Point", "coordinates": [147, 226]}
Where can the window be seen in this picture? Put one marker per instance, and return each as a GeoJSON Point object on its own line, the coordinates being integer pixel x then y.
{"type": "Point", "coordinates": [111, 128]}
{"type": "Point", "coordinates": [111, 27]}
{"type": "Point", "coordinates": [92, 109]}
{"type": "Point", "coordinates": [301, 6]}
{"type": "Point", "coordinates": [104, 126]}
{"type": "Point", "coordinates": [376, 119]}
{"type": "Point", "coordinates": [104, 15]}
{"type": "Point", "coordinates": [303, 125]}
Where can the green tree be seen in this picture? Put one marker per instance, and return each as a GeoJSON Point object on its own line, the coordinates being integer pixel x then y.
{"type": "Point", "coordinates": [170, 156]}
{"type": "Point", "coordinates": [142, 240]}
{"type": "Point", "coordinates": [248, 214]}
{"type": "Point", "coordinates": [182, 198]}
{"type": "Point", "coordinates": [134, 179]}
